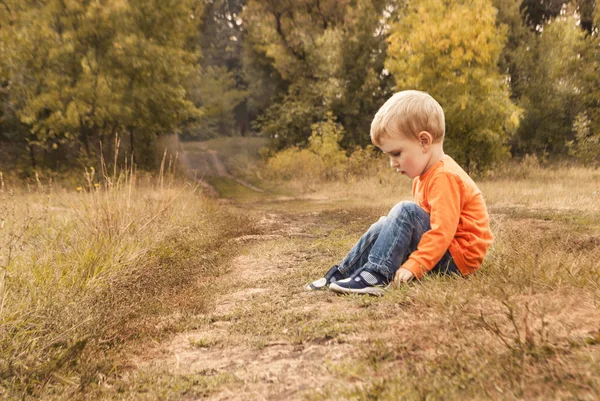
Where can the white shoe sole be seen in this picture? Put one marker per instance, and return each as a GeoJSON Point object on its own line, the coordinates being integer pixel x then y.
{"type": "Point", "coordinates": [317, 285]}
{"type": "Point", "coordinates": [378, 291]}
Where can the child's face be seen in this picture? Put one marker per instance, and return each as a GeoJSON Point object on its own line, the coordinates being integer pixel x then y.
{"type": "Point", "coordinates": [409, 156]}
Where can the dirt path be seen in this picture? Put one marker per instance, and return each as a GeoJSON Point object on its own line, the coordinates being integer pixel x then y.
{"type": "Point", "coordinates": [200, 163]}
{"type": "Point", "coordinates": [245, 339]}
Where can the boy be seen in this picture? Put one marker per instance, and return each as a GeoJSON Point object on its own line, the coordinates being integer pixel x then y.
{"type": "Point", "coordinates": [446, 231]}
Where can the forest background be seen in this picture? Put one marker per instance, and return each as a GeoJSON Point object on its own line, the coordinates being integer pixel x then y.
{"type": "Point", "coordinates": [515, 77]}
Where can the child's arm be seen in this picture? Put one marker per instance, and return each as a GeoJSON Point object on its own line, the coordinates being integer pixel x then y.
{"type": "Point", "coordinates": [445, 203]}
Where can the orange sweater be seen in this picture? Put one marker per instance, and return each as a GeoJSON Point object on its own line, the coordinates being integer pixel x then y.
{"type": "Point", "coordinates": [459, 219]}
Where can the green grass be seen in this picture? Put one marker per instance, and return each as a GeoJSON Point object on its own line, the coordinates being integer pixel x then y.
{"type": "Point", "coordinates": [230, 188]}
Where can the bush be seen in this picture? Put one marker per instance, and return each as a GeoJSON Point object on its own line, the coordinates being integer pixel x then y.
{"type": "Point", "coordinates": [324, 159]}
{"type": "Point", "coordinates": [325, 143]}
{"type": "Point", "coordinates": [365, 162]}
{"type": "Point", "coordinates": [295, 164]}
{"type": "Point", "coordinates": [586, 146]}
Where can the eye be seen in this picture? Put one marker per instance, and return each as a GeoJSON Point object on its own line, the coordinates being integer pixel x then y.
{"type": "Point", "coordinates": [395, 154]}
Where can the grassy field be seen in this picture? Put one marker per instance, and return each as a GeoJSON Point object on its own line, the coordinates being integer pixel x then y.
{"type": "Point", "coordinates": [158, 293]}
{"type": "Point", "coordinates": [87, 272]}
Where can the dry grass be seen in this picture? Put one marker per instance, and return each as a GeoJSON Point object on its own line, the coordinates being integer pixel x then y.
{"type": "Point", "coordinates": [524, 327]}
{"type": "Point", "coordinates": [87, 272]}
{"type": "Point", "coordinates": [110, 279]}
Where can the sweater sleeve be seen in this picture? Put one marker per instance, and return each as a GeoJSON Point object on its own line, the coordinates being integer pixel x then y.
{"type": "Point", "coordinates": [445, 202]}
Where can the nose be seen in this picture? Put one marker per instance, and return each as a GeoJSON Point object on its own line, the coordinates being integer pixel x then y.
{"type": "Point", "coordinates": [393, 163]}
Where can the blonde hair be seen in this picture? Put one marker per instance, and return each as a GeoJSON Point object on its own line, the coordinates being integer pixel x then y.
{"type": "Point", "coordinates": [408, 113]}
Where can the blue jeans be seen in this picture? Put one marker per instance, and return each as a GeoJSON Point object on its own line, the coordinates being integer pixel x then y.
{"type": "Point", "coordinates": [388, 243]}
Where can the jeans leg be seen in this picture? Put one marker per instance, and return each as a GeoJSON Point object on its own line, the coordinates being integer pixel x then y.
{"type": "Point", "coordinates": [399, 237]}
{"type": "Point", "coordinates": [359, 254]}
{"type": "Point", "coordinates": [388, 243]}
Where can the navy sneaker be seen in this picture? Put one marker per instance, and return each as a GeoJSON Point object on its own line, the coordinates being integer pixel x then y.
{"type": "Point", "coordinates": [365, 281]}
{"type": "Point", "coordinates": [331, 276]}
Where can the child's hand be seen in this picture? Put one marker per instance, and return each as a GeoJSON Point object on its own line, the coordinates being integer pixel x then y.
{"type": "Point", "coordinates": [402, 276]}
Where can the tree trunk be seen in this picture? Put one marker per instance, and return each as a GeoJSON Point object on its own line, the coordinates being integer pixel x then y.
{"type": "Point", "coordinates": [241, 114]}
{"type": "Point", "coordinates": [32, 155]}
{"type": "Point", "coordinates": [84, 138]}
{"type": "Point", "coordinates": [131, 141]}
{"type": "Point", "coordinates": [112, 152]}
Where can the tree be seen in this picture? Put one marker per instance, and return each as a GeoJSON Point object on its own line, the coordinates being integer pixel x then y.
{"type": "Point", "coordinates": [549, 87]}
{"type": "Point", "coordinates": [264, 83]}
{"type": "Point", "coordinates": [590, 77]}
{"type": "Point", "coordinates": [221, 40]}
{"type": "Point", "coordinates": [216, 93]}
{"type": "Point", "coordinates": [518, 37]}
{"type": "Point", "coordinates": [586, 10]}
{"type": "Point", "coordinates": [364, 83]}
{"type": "Point", "coordinates": [538, 12]}
{"type": "Point", "coordinates": [432, 49]}
{"type": "Point", "coordinates": [301, 41]}
{"type": "Point", "coordinates": [81, 71]}
{"type": "Point", "coordinates": [587, 124]}
{"type": "Point", "coordinates": [329, 57]}
{"type": "Point", "coordinates": [12, 133]}
{"type": "Point", "coordinates": [157, 55]}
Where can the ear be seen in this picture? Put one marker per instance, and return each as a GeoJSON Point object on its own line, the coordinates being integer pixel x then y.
{"type": "Point", "coordinates": [425, 139]}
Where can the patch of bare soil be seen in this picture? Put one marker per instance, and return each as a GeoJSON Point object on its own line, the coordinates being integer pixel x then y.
{"type": "Point", "coordinates": [276, 370]}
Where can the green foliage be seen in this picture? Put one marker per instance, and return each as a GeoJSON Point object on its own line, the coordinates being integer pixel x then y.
{"type": "Point", "coordinates": [222, 36]}
{"type": "Point", "coordinates": [264, 83]}
{"type": "Point", "coordinates": [222, 40]}
{"type": "Point", "coordinates": [294, 164]}
{"type": "Point", "coordinates": [586, 9]}
{"type": "Point", "coordinates": [550, 87]}
{"type": "Point", "coordinates": [585, 148]}
{"type": "Point", "coordinates": [215, 92]}
{"type": "Point", "coordinates": [75, 74]}
{"type": "Point", "coordinates": [330, 56]}
{"type": "Point", "coordinates": [287, 123]}
{"type": "Point", "coordinates": [323, 159]}
{"type": "Point", "coordinates": [432, 48]}
{"type": "Point", "coordinates": [364, 86]}
{"type": "Point", "coordinates": [518, 35]}
{"type": "Point", "coordinates": [79, 72]}
{"type": "Point", "coordinates": [364, 162]}
{"type": "Point", "coordinates": [537, 13]}
{"type": "Point", "coordinates": [325, 143]}
{"type": "Point", "coordinates": [590, 74]}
